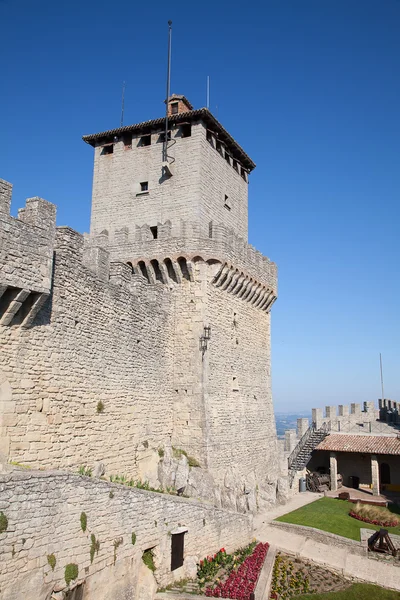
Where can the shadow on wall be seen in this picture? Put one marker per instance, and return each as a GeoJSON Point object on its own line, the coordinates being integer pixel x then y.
{"type": "Point", "coordinates": [75, 594]}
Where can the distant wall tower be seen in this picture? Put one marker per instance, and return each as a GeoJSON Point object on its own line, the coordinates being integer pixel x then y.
{"type": "Point", "coordinates": [209, 178]}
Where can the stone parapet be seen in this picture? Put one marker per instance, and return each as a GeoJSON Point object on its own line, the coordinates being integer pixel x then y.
{"type": "Point", "coordinates": [389, 411]}
{"type": "Point", "coordinates": [26, 257]}
{"type": "Point", "coordinates": [353, 412]}
{"type": "Point", "coordinates": [26, 243]}
{"type": "Point", "coordinates": [5, 196]}
{"type": "Point", "coordinates": [190, 241]}
{"type": "Point", "coordinates": [45, 534]}
{"type": "Point", "coordinates": [302, 425]}
{"type": "Point", "coordinates": [362, 418]}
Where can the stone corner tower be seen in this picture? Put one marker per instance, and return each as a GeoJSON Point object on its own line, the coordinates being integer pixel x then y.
{"type": "Point", "coordinates": [207, 180]}
{"type": "Point", "coordinates": [182, 223]}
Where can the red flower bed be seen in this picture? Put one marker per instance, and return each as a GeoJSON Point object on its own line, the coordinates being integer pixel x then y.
{"type": "Point", "coordinates": [241, 583]}
{"type": "Point", "coordinates": [373, 522]}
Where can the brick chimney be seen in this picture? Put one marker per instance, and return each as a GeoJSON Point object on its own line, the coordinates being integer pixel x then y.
{"type": "Point", "coordinates": [178, 104]}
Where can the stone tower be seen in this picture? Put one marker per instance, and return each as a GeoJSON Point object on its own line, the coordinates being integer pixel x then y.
{"type": "Point", "coordinates": [207, 183]}
{"type": "Point", "coordinates": [183, 227]}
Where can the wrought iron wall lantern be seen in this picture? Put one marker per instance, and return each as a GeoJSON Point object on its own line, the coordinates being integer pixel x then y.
{"type": "Point", "coordinates": [204, 339]}
{"type": "Point", "coordinates": [203, 344]}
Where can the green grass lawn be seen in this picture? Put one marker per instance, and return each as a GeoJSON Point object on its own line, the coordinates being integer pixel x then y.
{"type": "Point", "coordinates": [330, 514]}
{"type": "Point", "coordinates": [358, 591]}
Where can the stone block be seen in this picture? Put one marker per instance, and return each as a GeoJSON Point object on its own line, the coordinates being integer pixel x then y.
{"type": "Point", "coordinates": [290, 439]}
{"type": "Point", "coordinates": [302, 426]}
{"type": "Point", "coordinates": [343, 410]}
{"type": "Point", "coordinates": [330, 413]}
{"type": "Point", "coordinates": [316, 416]}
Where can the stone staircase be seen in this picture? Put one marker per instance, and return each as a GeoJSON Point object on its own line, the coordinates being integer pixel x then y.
{"type": "Point", "coordinates": [182, 590]}
{"type": "Point", "coordinates": [191, 587]}
{"type": "Point", "coordinates": [301, 454]}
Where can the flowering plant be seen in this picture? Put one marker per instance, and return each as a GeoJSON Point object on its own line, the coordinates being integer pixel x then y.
{"type": "Point", "coordinates": [373, 521]}
{"type": "Point", "coordinates": [241, 583]}
{"type": "Point", "coordinates": [209, 566]}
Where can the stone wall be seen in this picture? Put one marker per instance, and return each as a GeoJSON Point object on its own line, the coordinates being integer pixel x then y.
{"type": "Point", "coordinates": [93, 342]}
{"type": "Point", "coordinates": [117, 199]}
{"type": "Point", "coordinates": [112, 369]}
{"type": "Point", "coordinates": [186, 239]}
{"type": "Point", "coordinates": [239, 399]}
{"type": "Point", "coordinates": [223, 190]}
{"type": "Point", "coordinates": [26, 257]}
{"type": "Point", "coordinates": [353, 418]}
{"type": "Point", "coordinates": [345, 415]}
{"type": "Point", "coordinates": [49, 524]}
{"type": "Point", "coordinates": [223, 412]}
{"type": "Point", "coordinates": [389, 412]}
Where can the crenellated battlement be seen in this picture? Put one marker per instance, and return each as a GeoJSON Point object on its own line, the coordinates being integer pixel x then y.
{"type": "Point", "coordinates": [354, 413]}
{"type": "Point", "coordinates": [26, 257]}
{"type": "Point", "coordinates": [97, 260]}
{"type": "Point", "coordinates": [187, 240]}
{"type": "Point", "coordinates": [355, 418]}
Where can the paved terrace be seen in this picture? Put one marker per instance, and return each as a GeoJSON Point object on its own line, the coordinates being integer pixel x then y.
{"type": "Point", "coordinates": [366, 495]}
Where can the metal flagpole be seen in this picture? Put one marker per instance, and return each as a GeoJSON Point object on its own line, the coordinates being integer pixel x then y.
{"type": "Point", "coordinates": [165, 157]}
{"type": "Point", "coordinates": [383, 393]}
{"type": "Point", "coordinates": [123, 104]}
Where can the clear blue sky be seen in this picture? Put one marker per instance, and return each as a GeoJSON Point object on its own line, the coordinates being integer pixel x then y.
{"type": "Point", "coordinates": [311, 90]}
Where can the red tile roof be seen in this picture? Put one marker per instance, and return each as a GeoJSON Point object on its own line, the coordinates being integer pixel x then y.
{"type": "Point", "coordinates": [192, 115]}
{"type": "Point", "coordinates": [365, 444]}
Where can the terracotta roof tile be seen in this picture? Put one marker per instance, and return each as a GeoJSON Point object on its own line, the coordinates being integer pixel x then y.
{"type": "Point", "coordinates": [365, 444]}
{"type": "Point", "coordinates": [191, 115]}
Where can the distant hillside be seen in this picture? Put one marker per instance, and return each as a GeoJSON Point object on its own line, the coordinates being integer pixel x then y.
{"type": "Point", "coordinates": [288, 421]}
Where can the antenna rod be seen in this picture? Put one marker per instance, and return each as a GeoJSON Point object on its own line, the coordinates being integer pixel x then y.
{"type": "Point", "coordinates": [208, 91]}
{"type": "Point", "coordinates": [123, 104]}
{"type": "Point", "coordinates": [165, 156]}
{"type": "Point", "coordinates": [383, 393]}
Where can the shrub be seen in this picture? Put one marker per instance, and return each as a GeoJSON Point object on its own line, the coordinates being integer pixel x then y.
{"type": "Point", "coordinates": [178, 452]}
{"type": "Point", "coordinates": [100, 407]}
{"type": "Point", "coordinates": [133, 538]}
{"type": "Point", "coordinates": [141, 485]}
{"type": "Point", "coordinates": [377, 515]}
{"type": "Point", "coordinates": [83, 521]}
{"type": "Point", "coordinates": [71, 573]}
{"type": "Point", "coordinates": [241, 583]}
{"type": "Point", "coordinates": [94, 547]}
{"type": "Point", "coordinates": [117, 543]}
{"type": "Point", "coordinates": [3, 522]}
{"type": "Point", "coordinates": [161, 452]}
{"type": "Point", "coordinates": [51, 559]}
{"type": "Point", "coordinates": [209, 566]}
{"type": "Point", "coordinates": [84, 470]}
{"type": "Point", "coordinates": [148, 559]}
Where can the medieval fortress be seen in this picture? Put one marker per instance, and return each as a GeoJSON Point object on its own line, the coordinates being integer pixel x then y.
{"type": "Point", "coordinates": [140, 349]}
